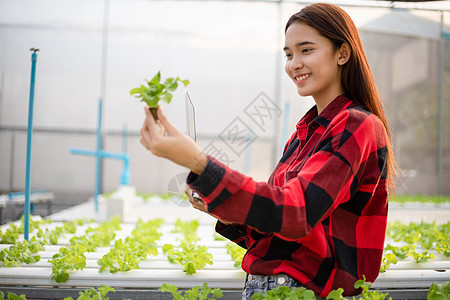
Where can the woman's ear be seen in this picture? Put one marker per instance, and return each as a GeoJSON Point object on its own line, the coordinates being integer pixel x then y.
{"type": "Point", "coordinates": [344, 54]}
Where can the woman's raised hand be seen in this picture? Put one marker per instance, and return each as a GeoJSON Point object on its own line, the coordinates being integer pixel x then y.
{"type": "Point", "coordinates": [163, 139]}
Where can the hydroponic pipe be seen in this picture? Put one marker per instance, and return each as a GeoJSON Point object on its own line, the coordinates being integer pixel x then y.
{"type": "Point", "coordinates": [125, 177]}
{"type": "Point", "coordinates": [29, 139]}
{"type": "Point", "coordinates": [99, 148]}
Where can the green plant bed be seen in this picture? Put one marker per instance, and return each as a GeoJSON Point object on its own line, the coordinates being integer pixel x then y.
{"type": "Point", "coordinates": [437, 199]}
{"type": "Point", "coordinates": [179, 248]}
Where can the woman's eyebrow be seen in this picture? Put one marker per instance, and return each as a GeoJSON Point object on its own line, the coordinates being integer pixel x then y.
{"type": "Point", "coordinates": [300, 44]}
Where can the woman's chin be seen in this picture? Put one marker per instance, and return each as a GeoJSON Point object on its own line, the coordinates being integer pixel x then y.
{"type": "Point", "coordinates": [303, 93]}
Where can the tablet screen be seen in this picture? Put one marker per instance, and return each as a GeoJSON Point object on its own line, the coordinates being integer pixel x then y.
{"type": "Point", "coordinates": [190, 118]}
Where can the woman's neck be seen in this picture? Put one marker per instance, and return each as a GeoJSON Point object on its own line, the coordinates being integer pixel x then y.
{"type": "Point", "coordinates": [324, 100]}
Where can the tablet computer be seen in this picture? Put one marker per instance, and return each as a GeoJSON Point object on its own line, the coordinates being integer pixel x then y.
{"type": "Point", "coordinates": [191, 130]}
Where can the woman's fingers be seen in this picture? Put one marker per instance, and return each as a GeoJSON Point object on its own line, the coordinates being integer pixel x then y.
{"type": "Point", "coordinates": [145, 137]}
{"type": "Point", "coordinates": [162, 129]}
{"type": "Point", "coordinates": [165, 140]}
{"type": "Point", "coordinates": [192, 200]}
{"type": "Point", "coordinates": [153, 126]}
{"type": "Point", "coordinates": [169, 127]}
{"type": "Point", "coordinates": [151, 132]}
{"type": "Point", "coordinates": [197, 204]}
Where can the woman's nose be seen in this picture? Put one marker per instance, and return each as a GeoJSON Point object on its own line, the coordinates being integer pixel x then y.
{"type": "Point", "coordinates": [295, 63]}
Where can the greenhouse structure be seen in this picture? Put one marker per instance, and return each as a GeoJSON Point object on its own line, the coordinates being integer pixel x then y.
{"type": "Point", "coordinates": [107, 213]}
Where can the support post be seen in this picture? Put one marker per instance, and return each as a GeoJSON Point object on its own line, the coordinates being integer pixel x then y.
{"type": "Point", "coordinates": [29, 140]}
{"type": "Point", "coordinates": [99, 160]}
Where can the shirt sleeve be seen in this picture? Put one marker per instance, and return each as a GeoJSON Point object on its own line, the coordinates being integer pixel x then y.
{"type": "Point", "coordinates": [326, 179]}
{"type": "Point", "coordinates": [243, 235]}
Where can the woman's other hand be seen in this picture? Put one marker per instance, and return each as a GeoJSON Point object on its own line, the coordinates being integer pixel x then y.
{"type": "Point", "coordinates": [196, 203]}
{"type": "Point", "coordinates": [200, 205]}
{"type": "Point", "coordinates": [163, 139]}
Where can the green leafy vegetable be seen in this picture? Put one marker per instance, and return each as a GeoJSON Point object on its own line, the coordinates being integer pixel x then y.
{"type": "Point", "coordinates": [188, 254]}
{"type": "Point", "coordinates": [127, 254]}
{"type": "Point", "coordinates": [92, 293]}
{"type": "Point", "coordinates": [12, 296]}
{"type": "Point", "coordinates": [437, 199]}
{"type": "Point", "coordinates": [156, 90]}
{"type": "Point", "coordinates": [191, 256]}
{"type": "Point", "coordinates": [236, 252]}
{"type": "Point", "coordinates": [284, 292]}
{"type": "Point", "coordinates": [188, 229]}
{"type": "Point", "coordinates": [195, 293]}
{"type": "Point", "coordinates": [72, 257]}
{"type": "Point", "coordinates": [433, 238]}
{"type": "Point", "coordinates": [52, 236]}
{"type": "Point", "coordinates": [11, 235]}
{"type": "Point", "coordinates": [439, 291]}
{"type": "Point", "coordinates": [366, 293]}
{"type": "Point", "coordinates": [387, 260]}
{"type": "Point", "coordinates": [67, 259]}
{"type": "Point", "coordinates": [336, 294]}
{"type": "Point", "coordinates": [21, 253]}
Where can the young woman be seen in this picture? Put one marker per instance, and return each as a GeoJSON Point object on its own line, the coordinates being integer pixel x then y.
{"type": "Point", "coordinates": [320, 220]}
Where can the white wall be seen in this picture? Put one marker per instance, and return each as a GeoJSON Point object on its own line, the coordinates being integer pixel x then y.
{"type": "Point", "coordinates": [230, 51]}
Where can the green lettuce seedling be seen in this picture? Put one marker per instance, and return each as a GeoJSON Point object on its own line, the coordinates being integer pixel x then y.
{"type": "Point", "coordinates": [439, 291]}
{"type": "Point", "coordinates": [196, 293]}
{"type": "Point", "coordinates": [156, 91]}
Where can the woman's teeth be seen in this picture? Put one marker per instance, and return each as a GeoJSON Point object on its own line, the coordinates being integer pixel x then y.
{"type": "Point", "coordinates": [303, 77]}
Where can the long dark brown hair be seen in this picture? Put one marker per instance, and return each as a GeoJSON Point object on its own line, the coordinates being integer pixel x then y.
{"type": "Point", "coordinates": [334, 23]}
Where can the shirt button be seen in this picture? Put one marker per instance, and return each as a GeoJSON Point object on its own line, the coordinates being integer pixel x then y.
{"type": "Point", "coordinates": [281, 280]}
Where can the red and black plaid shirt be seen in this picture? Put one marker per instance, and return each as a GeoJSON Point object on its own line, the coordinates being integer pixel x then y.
{"type": "Point", "coordinates": [321, 217]}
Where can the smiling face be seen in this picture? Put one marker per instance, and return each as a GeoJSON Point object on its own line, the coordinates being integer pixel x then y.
{"type": "Point", "coordinates": [313, 64]}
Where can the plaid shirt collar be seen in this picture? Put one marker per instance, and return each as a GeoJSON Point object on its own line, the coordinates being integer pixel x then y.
{"type": "Point", "coordinates": [340, 103]}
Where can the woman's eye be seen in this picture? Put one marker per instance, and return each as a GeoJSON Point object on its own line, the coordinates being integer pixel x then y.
{"type": "Point", "coordinates": [306, 50]}
{"type": "Point", "coordinates": [288, 55]}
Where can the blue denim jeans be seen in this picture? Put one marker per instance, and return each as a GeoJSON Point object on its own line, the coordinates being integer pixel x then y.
{"type": "Point", "coordinates": [261, 284]}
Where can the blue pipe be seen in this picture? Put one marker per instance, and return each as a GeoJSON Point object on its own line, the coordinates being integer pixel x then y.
{"type": "Point", "coordinates": [99, 147]}
{"type": "Point", "coordinates": [29, 138]}
{"type": "Point", "coordinates": [125, 177]}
